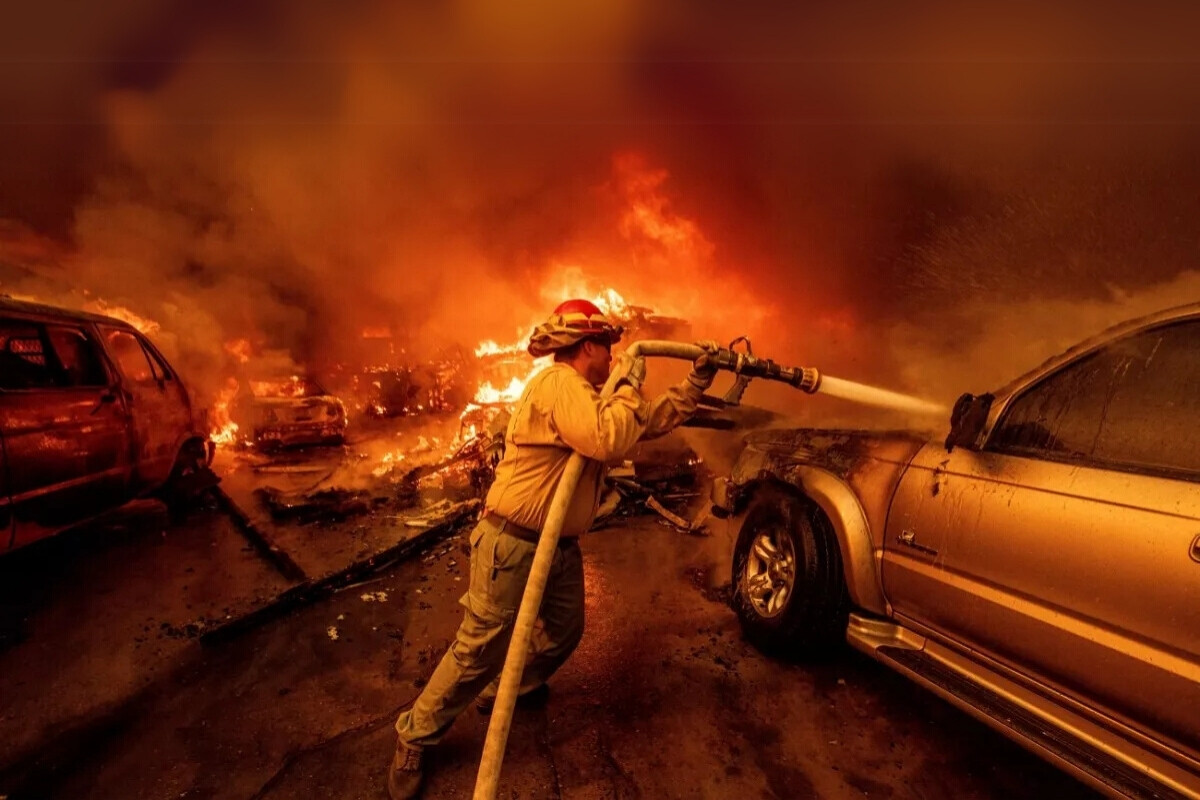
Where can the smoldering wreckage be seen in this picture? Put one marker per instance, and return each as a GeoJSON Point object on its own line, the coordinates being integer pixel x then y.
{"type": "Point", "coordinates": [436, 485]}
{"type": "Point", "coordinates": [433, 484]}
{"type": "Point", "coordinates": [307, 470]}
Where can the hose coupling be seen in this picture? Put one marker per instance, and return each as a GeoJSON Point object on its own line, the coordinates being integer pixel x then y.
{"type": "Point", "coordinates": [810, 379]}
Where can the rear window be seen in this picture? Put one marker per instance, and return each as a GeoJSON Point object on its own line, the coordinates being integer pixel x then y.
{"type": "Point", "coordinates": [34, 355]}
{"type": "Point", "coordinates": [23, 356]}
{"type": "Point", "coordinates": [77, 356]}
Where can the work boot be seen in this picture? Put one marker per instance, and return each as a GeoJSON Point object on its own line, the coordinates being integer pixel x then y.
{"type": "Point", "coordinates": [406, 773]}
{"type": "Point", "coordinates": [534, 698]}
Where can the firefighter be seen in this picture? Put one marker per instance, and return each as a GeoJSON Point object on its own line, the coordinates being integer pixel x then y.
{"type": "Point", "coordinates": [559, 412]}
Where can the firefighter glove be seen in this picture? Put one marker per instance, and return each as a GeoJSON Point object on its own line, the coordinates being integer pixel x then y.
{"type": "Point", "coordinates": [704, 368]}
{"type": "Point", "coordinates": [632, 370]}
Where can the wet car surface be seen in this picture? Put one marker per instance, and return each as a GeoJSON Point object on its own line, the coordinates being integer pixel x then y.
{"type": "Point", "coordinates": [1037, 567]}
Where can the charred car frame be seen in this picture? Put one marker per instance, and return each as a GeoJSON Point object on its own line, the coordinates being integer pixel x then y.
{"type": "Point", "coordinates": [91, 416]}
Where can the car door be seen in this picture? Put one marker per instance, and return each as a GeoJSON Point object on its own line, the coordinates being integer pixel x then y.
{"type": "Point", "coordinates": [161, 416]}
{"type": "Point", "coordinates": [66, 435]}
{"type": "Point", "coordinates": [6, 516]}
{"type": "Point", "coordinates": [1067, 548]}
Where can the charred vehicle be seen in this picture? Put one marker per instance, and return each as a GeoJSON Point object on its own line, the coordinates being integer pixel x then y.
{"type": "Point", "coordinates": [1039, 569]}
{"type": "Point", "coordinates": [283, 411]}
{"type": "Point", "coordinates": [91, 416]}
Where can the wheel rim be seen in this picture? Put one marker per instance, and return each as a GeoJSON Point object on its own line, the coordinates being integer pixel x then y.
{"type": "Point", "coordinates": [770, 573]}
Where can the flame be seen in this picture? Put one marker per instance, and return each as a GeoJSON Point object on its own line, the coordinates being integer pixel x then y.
{"type": "Point", "coordinates": [649, 212]}
{"type": "Point", "coordinates": [101, 306]}
{"type": "Point", "coordinates": [489, 347]}
{"type": "Point", "coordinates": [608, 300]}
{"type": "Point", "coordinates": [241, 349]}
{"type": "Point", "coordinates": [487, 394]}
{"type": "Point", "coordinates": [389, 462]}
{"type": "Point", "coordinates": [292, 386]}
{"type": "Point", "coordinates": [224, 430]}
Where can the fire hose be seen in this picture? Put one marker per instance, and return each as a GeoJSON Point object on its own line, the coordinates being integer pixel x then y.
{"type": "Point", "coordinates": [745, 365]}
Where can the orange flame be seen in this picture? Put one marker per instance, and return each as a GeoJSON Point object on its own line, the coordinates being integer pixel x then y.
{"type": "Point", "coordinates": [101, 306]}
{"type": "Point", "coordinates": [224, 429]}
{"type": "Point", "coordinates": [241, 349]}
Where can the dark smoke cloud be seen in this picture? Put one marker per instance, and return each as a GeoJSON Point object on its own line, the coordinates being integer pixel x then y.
{"type": "Point", "coordinates": [874, 191]}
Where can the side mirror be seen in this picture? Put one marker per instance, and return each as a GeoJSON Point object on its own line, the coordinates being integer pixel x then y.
{"type": "Point", "coordinates": [967, 421]}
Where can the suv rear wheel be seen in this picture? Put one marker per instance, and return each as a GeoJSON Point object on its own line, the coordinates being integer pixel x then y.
{"type": "Point", "coordinates": [789, 590]}
{"type": "Point", "coordinates": [190, 479]}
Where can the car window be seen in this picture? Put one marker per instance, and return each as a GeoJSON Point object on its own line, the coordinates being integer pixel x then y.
{"type": "Point", "coordinates": [161, 371]}
{"type": "Point", "coordinates": [1133, 404]}
{"type": "Point", "coordinates": [23, 357]}
{"type": "Point", "coordinates": [129, 355]}
{"type": "Point", "coordinates": [78, 356]}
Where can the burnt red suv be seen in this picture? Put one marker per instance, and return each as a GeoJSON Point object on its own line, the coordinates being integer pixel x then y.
{"type": "Point", "coordinates": [91, 416]}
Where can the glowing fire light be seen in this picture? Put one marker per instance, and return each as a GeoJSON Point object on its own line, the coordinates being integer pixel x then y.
{"type": "Point", "coordinates": [100, 306]}
{"type": "Point", "coordinates": [608, 300]}
{"type": "Point", "coordinates": [388, 463]}
{"type": "Point", "coordinates": [240, 349]}
{"type": "Point", "coordinates": [491, 348]}
{"type": "Point", "coordinates": [487, 394]}
{"type": "Point", "coordinates": [224, 430]}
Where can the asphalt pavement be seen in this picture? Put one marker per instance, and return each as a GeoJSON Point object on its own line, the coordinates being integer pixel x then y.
{"type": "Point", "coordinates": [108, 695]}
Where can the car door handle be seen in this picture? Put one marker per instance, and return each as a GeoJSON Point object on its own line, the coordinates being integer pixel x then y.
{"type": "Point", "coordinates": [909, 539]}
{"type": "Point", "coordinates": [1195, 549]}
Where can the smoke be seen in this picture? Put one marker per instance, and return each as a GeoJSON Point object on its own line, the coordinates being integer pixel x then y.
{"type": "Point", "coordinates": [875, 193]}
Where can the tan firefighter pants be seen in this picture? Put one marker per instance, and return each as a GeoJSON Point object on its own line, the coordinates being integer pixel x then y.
{"type": "Point", "coordinates": [499, 568]}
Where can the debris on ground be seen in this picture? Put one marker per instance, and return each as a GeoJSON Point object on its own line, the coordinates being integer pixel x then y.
{"type": "Point", "coordinates": [373, 597]}
{"type": "Point", "coordinates": [665, 486]}
{"type": "Point", "coordinates": [332, 633]}
{"type": "Point", "coordinates": [439, 513]}
{"type": "Point", "coordinates": [290, 469]}
{"type": "Point", "coordinates": [322, 504]}
{"type": "Point", "coordinates": [695, 526]}
{"type": "Point", "coordinates": [315, 589]}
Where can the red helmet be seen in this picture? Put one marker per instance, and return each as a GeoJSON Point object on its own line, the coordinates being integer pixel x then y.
{"type": "Point", "coordinates": [586, 317]}
{"type": "Point", "coordinates": [570, 322]}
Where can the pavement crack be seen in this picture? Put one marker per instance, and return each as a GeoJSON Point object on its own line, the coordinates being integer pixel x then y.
{"type": "Point", "coordinates": [548, 751]}
{"type": "Point", "coordinates": [368, 726]}
{"type": "Point", "coordinates": [623, 783]}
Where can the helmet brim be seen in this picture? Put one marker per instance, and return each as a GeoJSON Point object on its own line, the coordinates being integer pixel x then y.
{"type": "Point", "coordinates": [549, 339]}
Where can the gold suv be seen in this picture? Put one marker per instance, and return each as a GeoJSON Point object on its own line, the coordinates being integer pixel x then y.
{"type": "Point", "coordinates": [1039, 569]}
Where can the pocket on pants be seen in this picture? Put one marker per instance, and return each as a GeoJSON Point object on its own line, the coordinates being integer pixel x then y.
{"type": "Point", "coordinates": [481, 634]}
{"type": "Point", "coordinates": [499, 568]}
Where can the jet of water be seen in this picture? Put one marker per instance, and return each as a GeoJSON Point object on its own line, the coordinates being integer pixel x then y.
{"type": "Point", "coordinates": [873, 396]}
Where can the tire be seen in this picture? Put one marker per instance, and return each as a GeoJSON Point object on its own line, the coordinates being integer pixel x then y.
{"type": "Point", "coordinates": [789, 590]}
{"type": "Point", "coordinates": [189, 481]}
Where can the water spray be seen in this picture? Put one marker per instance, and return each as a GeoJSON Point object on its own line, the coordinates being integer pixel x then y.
{"type": "Point", "coordinates": [746, 366]}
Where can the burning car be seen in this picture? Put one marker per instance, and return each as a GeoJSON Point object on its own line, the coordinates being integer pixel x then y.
{"type": "Point", "coordinates": [282, 411]}
{"type": "Point", "coordinates": [91, 416]}
{"type": "Point", "coordinates": [1039, 568]}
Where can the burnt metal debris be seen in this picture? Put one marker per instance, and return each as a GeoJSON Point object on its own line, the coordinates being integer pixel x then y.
{"type": "Point", "coordinates": [433, 501]}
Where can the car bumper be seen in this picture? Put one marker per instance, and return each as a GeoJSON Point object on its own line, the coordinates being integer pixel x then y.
{"type": "Point", "coordinates": [300, 433]}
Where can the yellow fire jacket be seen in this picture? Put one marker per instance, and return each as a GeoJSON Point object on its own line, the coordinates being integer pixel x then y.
{"type": "Point", "coordinates": [561, 412]}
